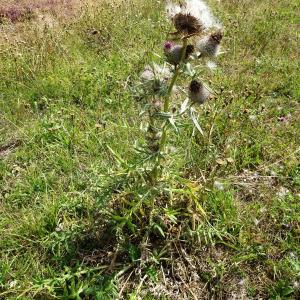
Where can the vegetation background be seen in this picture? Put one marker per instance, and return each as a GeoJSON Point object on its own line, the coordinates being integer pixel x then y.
{"type": "Point", "coordinates": [67, 76]}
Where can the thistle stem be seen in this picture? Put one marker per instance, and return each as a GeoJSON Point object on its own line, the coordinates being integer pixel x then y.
{"type": "Point", "coordinates": [164, 135]}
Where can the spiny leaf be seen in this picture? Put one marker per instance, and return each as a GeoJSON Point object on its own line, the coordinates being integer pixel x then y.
{"type": "Point", "coordinates": [197, 125]}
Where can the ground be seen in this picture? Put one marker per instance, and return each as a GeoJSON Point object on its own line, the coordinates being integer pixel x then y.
{"type": "Point", "coordinates": [68, 103]}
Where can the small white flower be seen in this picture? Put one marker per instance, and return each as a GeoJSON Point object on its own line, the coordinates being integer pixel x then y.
{"type": "Point", "coordinates": [242, 282]}
{"type": "Point", "coordinates": [252, 117]}
{"type": "Point", "coordinates": [147, 74]}
{"type": "Point", "coordinates": [263, 210]}
{"type": "Point", "coordinates": [282, 192]}
{"type": "Point", "coordinates": [256, 222]}
{"type": "Point", "coordinates": [211, 65]}
{"type": "Point", "coordinates": [219, 185]}
{"type": "Point", "coordinates": [13, 283]}
{"type": "Point", "coordinates": [59, 228]}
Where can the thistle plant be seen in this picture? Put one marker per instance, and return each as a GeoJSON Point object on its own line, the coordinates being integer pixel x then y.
{"type": "Point", "coordinates": [153, 195]}
{"type": "Point", "coordinates": [189, 42]}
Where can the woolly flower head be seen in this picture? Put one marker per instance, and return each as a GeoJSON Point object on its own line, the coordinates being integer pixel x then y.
{"type": "Point", "coordinates": [174, 53]}
{"type": "Point", "coordinates": [156, 71]}
{"type": "Point", "coordinates": [197, 9]}
{"type": "Point", "coordinates": [198, 93]}
{"type": "Point", "coordinates": [209, 45]}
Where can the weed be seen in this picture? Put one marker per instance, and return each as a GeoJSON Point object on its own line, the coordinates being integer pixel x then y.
{"type": "Point", "coordinates": [113, 186]}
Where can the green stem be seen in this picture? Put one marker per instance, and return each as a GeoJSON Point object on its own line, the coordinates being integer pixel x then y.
{"type": "Point", "coordinates": [176, 73]}
{"type": "Point", "coordinates": [164, 136]}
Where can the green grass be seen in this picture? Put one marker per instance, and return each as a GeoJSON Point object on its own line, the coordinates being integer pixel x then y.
{"type": "Point", "coordinates": [67, 94]}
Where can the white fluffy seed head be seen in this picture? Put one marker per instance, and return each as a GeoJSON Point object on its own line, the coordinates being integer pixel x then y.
{"type": "Point", "coordinates": [197, 8]}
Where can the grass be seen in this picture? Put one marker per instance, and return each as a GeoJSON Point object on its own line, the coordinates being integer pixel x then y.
{"type": "Point", "coordinates": [68, 96]}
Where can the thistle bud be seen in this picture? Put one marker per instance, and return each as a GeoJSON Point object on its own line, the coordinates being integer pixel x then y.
{"type": "Point", "coordinates": [209, 46]}
{"type": "Point", "coordinates": [174, 52]}
{"type": "Point", "coordinates": [153, 147]}
{"type": "Point", "coordinates": [198, 93]}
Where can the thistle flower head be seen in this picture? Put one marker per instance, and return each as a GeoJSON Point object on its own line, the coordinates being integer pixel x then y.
{"type": "Point", "coordinates": [198, 93]}
{"type": "Point", "coordinates": [195, 86]}
{"type": "Point", "coordinates": [185, 23]}
{"type": "Point", "coordinates": [198, 9]}
{"type": "Point", "coordinates": [209, 45]}
{"type": "Point", "coordinates": [168, 45]}
{"type": "Point", "coordinates": [174, 52]}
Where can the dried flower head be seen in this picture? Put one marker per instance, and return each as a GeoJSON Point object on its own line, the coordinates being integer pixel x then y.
{"type": "Point", "coordinates": [187, 24]}
{"type": "Point", "coordinates": [197, 8]}
{"type": "Point", "coordinates": [198, 93]}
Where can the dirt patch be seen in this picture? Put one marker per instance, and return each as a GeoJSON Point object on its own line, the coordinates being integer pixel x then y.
{"type": "Point", "coordinates": [6, 149]}
{"type": "Point", "coordinates": [19, 11]}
